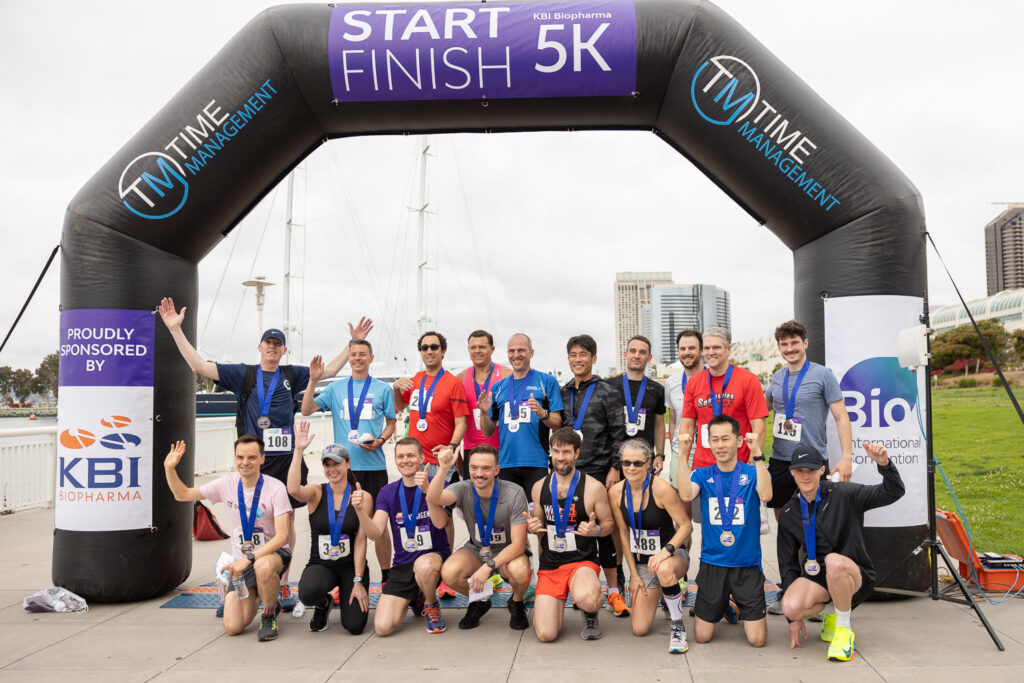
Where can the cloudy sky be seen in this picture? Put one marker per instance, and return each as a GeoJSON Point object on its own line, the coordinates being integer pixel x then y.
{"type": "Point", "coordinates": [526, 230]}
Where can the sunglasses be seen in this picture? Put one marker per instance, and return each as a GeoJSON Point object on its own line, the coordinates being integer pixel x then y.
{"type": "Point", "coordinates": [634, 463]}
{"type": "Point", "coordinates": [430, 347]}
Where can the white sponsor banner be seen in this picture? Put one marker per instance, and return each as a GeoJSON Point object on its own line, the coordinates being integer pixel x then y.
{"type": "Point", "coordinates": [883, 400]}
{"type": "Point", "coordinates": [104, 458]}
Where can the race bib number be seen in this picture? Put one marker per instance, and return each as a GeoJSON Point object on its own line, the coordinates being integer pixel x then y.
{"type": "Point", "coordinates": [641, 418]}
{"type": "Point", "coordinates": [423, 538]}
{"type": "Point", "coordinates": [365, 414]}
{"type": "Point", "coordinates": [788, 430]}
{"type": "Point", "coordinates": [333, 552]}
{"type": "Point", "coordinates": [561, 545]}
{"type": "Point", "coordinates": [476, 418]}
{"type": "Point", "coordinates": [648, 544]}
{"type": "Point", "coordinates": [238, 541]}
{"type": "Point", "coordinates": [521, 417]}
{"type": "Point", "coordinates": [277, 440]}
{"type": "Point", "coordinates": [705, 436]}
{"type": "Point", "coordinates": [738, 518]}
{"type": "Point", "coordinates": [498, 536]}
{"type": "Point", "coordinates": [414, 403]}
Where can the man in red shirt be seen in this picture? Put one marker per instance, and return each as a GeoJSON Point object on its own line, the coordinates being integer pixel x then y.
{"type": "Point", "coordinates": [478, 379]}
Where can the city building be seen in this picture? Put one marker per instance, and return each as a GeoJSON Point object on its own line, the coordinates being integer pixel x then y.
{"type": "Point", "coordinates": [632, 293]}
{"type": "Point", "coordinates": [1004, 250]}
{"type": "Point", "coordinates": [1006, 307]}
{"type": "Point", "coordinates": [680, 307]}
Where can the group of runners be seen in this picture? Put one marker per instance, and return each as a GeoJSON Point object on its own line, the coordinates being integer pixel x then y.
{"type": "Point", "coordinates": [578, 467]}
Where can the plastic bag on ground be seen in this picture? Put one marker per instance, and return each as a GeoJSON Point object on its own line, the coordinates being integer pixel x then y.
{"type": "Point", "coordinates": [55, 599]}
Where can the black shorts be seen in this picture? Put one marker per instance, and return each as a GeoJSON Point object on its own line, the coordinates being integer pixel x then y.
{"type": "Point", "coordinates": [276, 466]}
{"type": "Point", "coordinates": [866, 585]}
{"type": "Point", "coordinates": [715, 584]}
{"type": "Point", "coordinates": [372, 481]}
{"type": "Point", "coordinates": [783, 484]}
{"type": "Point", "coordinates": [250, 571]}
{"type": "Point", "coordinates": [402, 581]}
{"type": "Point", "coordinates": [524, 476]}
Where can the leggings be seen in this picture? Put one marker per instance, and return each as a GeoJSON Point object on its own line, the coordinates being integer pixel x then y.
{"type": "Point", "coordinates": [319, 579]}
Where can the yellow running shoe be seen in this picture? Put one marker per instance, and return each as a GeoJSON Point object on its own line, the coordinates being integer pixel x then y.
{"type": "Point", "coordinates": [841, 647]}
{"type": "Point", "coordinates": [828, 627]}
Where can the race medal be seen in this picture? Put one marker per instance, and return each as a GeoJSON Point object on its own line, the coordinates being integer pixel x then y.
{"type": "Point", "coordinates": [423, 403]}
{"type": "Point", "coordinates": [807, 519]}
{"type": "Point", "coordinates": [579, 433]}
{"type": "Point", "coordinates": [727, 538]}
{"type": "Point", "coordinates": [561, 544]}
{"type": "Point", "coordinates": [727, 506]}
{"type": "Point", "coordinates": [353, 436]}
{"type": "Point", "coordinates": [635, 518]}
{"type": "Point", "coordinates": [561, 514]}
{"type": "Point", "coordinates": [410, 545]}
{"type": "Point", "coordinates": [518, 410]}
{"type": "Point", "coordinates": [421, 425]}
{"type": "Point", "coordinates": [812, 567]}
{"type": "Point", "coordinates": [790, 426]}
{"type": "Point", "coordinates": [480, 390]}
{"type": "Point", "coordinates": [485, 554]}
{"type": "Point", "coordinates": [631, 429]}
{"type": "Point", "coordinates": [248, 516]}
{"type": "Point", "coordinates": [788, 430]}
{"type": "Point", "coordinates": [511, 424]}
{"type": "Point", "coordinates": [410, 541]}
{"type": "Point", "coordinates": [577, 421]}
{"type": "Point", "coordinates": [632, 407]}
{"type": "Point", "coordinates": [264, 398]}
{"type": "Point", "coordinates": [263, 422]}
{"type": "Point", "coordinates": [247, 548]}
{"type": "Point", "coordinates": [485, 530]}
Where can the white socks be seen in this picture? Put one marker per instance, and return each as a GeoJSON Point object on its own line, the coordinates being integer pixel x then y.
{"type": "Point", "coordinates": [843, 618]}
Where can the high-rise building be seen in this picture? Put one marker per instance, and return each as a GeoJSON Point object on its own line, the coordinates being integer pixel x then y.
{"type": "Point", "coordinates": [1004, 250]}
{"type": "Point", "coordinates": [679, 307]}
{"type": "Point", "coordinates": [632, 293]}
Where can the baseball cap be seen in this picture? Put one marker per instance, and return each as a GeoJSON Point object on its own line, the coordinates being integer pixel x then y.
{"type": "Point", "coordinates": [805, 456]}
{"type": "Point", "coordinates": [273, 332]}
{"type": "Point", "coordinates": [335, 452]}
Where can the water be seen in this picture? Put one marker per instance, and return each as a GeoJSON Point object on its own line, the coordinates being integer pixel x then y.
{"type": "Point", "coordinates": [24, 422]}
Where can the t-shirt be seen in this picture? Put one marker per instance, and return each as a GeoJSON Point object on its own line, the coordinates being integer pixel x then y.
{"type": "Point", "coordinates": [282, 406]}
{"type": "Point", "coordinates": [378, 407]}
{"type": "Point", "coordinates": [523, 437]}
{"type": "Point", "coordinates": [746, 551]}
{"type": "Point", "coordinates": [447, 403]}
{"type": "Point", "coordinates": [474, 436]}
{"type": "Point", "coordinates": [509, 513]}
{"type": "Point", "coordinates": [430, 538]}
{"type": "Point", "coordinates": [651, 406]}
{"type": "Point", "coordinates": [818, 389]}
{"type": "Point", "coordinates": [273, 503]}
{"type": "Point", "coordinates": [674, 387]}
{"type": "Point", "coordinates": [742, 399]}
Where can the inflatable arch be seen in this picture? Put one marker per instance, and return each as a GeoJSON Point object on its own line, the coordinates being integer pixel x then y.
{"type": "Point", "coordinates": [299, 75]}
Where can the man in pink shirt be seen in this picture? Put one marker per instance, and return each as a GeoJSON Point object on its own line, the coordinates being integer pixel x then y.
{"type": "Point", "coordinates": [478, 379]}
{"type": "Point", "coordinates": [259, 518]}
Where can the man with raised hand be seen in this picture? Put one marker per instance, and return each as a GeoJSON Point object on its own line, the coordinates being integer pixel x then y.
{"type": "Point", "coordinates": [730, 558]}
{"type": "Point", "coordinates": [421, 544]}
{"type": "Point", "coordinates": [570, 512]}
{"type": "Point", "coordinates": [260, 517]}
{"type": "Point", "coordinates": [478, 379]}
{"type": "Point", "coordinates": [641, 400]}
{"type": "Point", "coordinates": [824, 522]}
{"type": "Point", "coordinates": [592, 408]}
{"type": "Point", "coordinates": [363, 408]}
{"type": "Point", "coordinates": [494, 513]}
{"type": "Point", "coordinates": [688, 346]}
{"type": "Point", "coordinates": [522, 408]}
{"type": "Point", "coordinates": [266, 397]}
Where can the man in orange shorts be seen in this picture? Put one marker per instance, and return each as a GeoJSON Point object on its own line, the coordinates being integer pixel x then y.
{"type": "Point", "coordinates": [570, 510]}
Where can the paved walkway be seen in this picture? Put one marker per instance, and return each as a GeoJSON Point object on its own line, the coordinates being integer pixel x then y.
{"type": "Point", "coordinates": [908, 640]}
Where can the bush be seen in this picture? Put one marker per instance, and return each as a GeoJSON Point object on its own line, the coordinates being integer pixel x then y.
{"type": "Point", "coordinates": [996, 382]}
{"type": "Point", "coordinates": [967, 382]}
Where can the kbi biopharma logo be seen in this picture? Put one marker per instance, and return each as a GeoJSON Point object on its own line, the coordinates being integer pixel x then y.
{"type": "Point", "coordinates": [726, 91]}
{"type": "Point", "coordinates": [881, 398]}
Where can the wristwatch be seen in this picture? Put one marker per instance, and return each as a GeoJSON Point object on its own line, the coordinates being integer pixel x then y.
{"type": "Point", "coordinates": [659, 455]}
{"type": "Point", "coordinates": [250, 557]}
{"type": "Point", "coordinates": [670, 548]}
{"type": "Point", "coordinates": [357, 579]}
{"type": "Point", "coordinates": [758, 458]}
{"type": "Point", "coordinates": [490, 564]}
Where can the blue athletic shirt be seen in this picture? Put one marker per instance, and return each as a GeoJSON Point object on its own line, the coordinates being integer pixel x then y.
{"type": "Point", "coordinates": [381, 400]}
{"type": "Point", "coordinates": [523, 447]}
{"type": "Point", "coordinates": [746, 552]}
{"type": "Point", "coordinates": [282, 413]}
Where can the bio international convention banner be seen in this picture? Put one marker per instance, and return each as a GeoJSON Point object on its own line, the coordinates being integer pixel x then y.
{"type": "Point", "coordinates": [482, 51]}
{"type": "Point", "coordinates": [105, 420]}
{"type": "Point", "coordinates": [883, 400]}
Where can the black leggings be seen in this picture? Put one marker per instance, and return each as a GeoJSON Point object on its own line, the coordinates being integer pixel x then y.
{"type": "Point", "coordinates": [319, 579]}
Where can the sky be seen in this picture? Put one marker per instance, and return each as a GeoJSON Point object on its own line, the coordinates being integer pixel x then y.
{"type": "Point", "coordinates": [525, 231]}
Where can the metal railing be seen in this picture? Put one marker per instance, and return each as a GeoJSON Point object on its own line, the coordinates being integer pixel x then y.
{"type": "Point", "coordinates": [28, 457]}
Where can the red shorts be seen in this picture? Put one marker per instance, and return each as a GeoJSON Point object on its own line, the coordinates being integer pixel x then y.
{"type": "Point", "coordinates": [555, 582]}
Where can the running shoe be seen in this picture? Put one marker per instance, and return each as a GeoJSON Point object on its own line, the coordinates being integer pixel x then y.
{"type": "Point", "coordinates": [841, 647]}
{"type": "Point", "coordinates": [287, 600]}
{"type": "Point", "coordinates": [530, 592]}
{"type": "Point", "coordinates": [474, 611]}
{"type": "Point", "coordinates": [220, 611]}
{"type": "Point", "coordinates": [444, 591]}
{"type": "Point", "coordinates": [336, 595]}
{"type": "Point", "coordinates": [298, 610]}
{"type": "Point", "coordinates": [318, 622]}
{"type": "Point", "coordinates": [417, 605]}
{"type": "Point", "coordinates": [732, 614]}
{"type": "Point", "coordinates": [268, 624]}
{"type": "Point", "coordinates": [435, 622]}
{"type": "Point", "coordinates": [765, 529]}
{"type": "Point", "coordinates": [677, 638]}
{"type": "Point", "coordinates": [828, 628]}
{"type": "Point", "coordinates": [617, 605]}
{"type": "Point", "coordinates": [591, 629]}
{"type": "Point", "coordinates": [517, 620]}
{"type": "Point", "coordinates": [776, 606]}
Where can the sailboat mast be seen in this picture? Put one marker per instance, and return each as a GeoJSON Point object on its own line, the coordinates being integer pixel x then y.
{"type": "Point", "coordinates": [288, 261]}
{"type": "Point", "coordinates": [421, 240]}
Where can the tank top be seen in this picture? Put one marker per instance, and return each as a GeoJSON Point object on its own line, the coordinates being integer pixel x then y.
{"type": "Point", "coordinates": [473, 436]}
{"type": "Point", "coordinates": [319, 526]}
{"type": "Point", "coordinates": [653, 518]}
{"type": "Point", "coordinates": [586, 546]}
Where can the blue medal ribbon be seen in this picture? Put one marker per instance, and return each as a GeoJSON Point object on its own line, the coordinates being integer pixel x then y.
{"type": "Point", "coordinates": [409, 521]}
{"type": "Point", "coordinates": [727, 511]}
{"type": "Point", "coordinates": [516, 397]}
{"type": "Point", "coordinates": [633, 410]}
{"type": "Point", "coordinates": [807, 517]}
{"type": "Point", "coordinates": [635, 523]}
{"type": "Point", "coordinates": [249, 516]}
{"type": "Point", "coordinates": [353, 409]}
{"type": "Point", "coordinates": [577, 422]}
{"type": "Point", "coordinates": [334, 519]}
{"type": "Point", "coordinates": [485, 529]}
{"type": "Point", "coordinates": [425, 400]}
{"type": "Point", "coordinates": [487, 382]}
{"type": "Point", "coordinates": [790, 401]}
{"type": "Point", "coordinates": [265, 398]}
{"type": "Point", "coordinates": [562, 514]}
{"type": "Point", "coordinates": [716, 405]}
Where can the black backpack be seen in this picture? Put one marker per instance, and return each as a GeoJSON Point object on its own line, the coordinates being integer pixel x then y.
{"type": "Point", "coordinates": [250, 382]}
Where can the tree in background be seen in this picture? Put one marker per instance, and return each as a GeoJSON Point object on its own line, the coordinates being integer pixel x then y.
{"type": "Point", "coordinates": [21, 384]}
{"type": "Point", "coordinates": [962, 343]}
{"type": "Point", "coordinates": [5, 382]}
{"type": "Point", "coordinates": [1018, 345]}
{"type": "Point", "coordinates": [47, 377]}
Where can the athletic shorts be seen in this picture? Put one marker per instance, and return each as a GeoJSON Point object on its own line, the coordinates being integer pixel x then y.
{"type": "Point", "coordinates": [650, 579]}
{"type": "Point", "coordinates": [715, 584]}
{"type": "Point", "coordinates": [526, 477]}
{"type": "Point", "coordinates": [372, 481]}
{"type": "Point", "coordinates": [250, 572]}
{"type": "Point", "coordinates": [555, 582]}
{"type": "Point", "coordinates": [783, 484]}
{"type": "Point", "coordinates": [402, 581]}
{"type": "Point", "coordinates": [276, 466]}
{"type": "Point", "coordinates": [866, 585]}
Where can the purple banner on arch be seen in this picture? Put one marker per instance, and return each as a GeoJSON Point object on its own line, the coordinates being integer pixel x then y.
{"type": "Point", "coordinates": [106, 347]}
{"type": "Point", "coordinates": [382, 53]}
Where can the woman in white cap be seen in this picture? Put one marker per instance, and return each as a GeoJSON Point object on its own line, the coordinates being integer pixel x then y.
{"type": "Point", "coordinates": [337, 554]}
